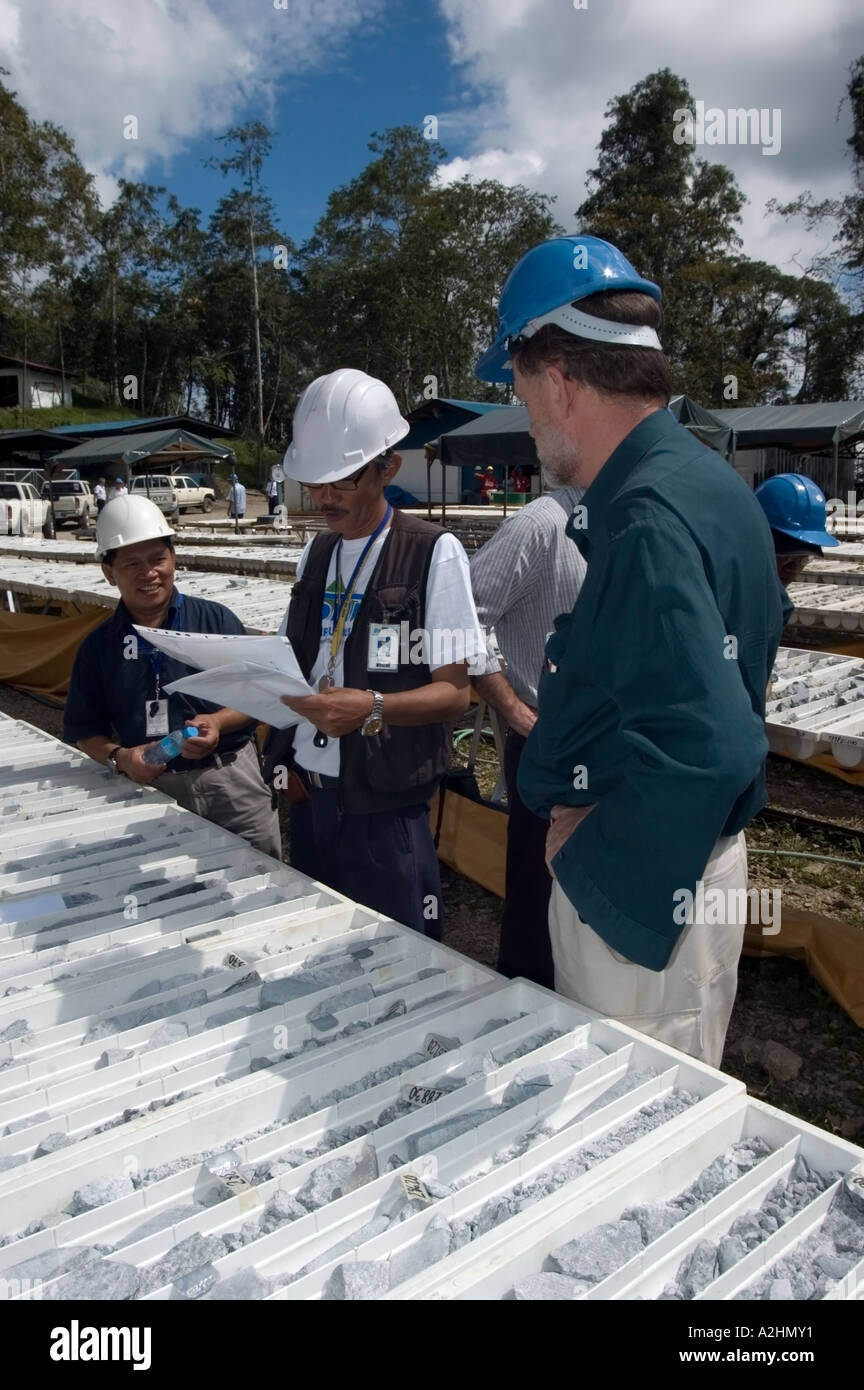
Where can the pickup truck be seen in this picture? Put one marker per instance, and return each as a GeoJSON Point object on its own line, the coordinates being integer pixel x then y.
{"type": "Point", "coordinates": [191, 494]}
{"type": "Point", "coordinates": [21, 509]}
{"type": "Point", "coordinates": [159, 487]}
{"type": "Point", "coordinates": [73, 501]}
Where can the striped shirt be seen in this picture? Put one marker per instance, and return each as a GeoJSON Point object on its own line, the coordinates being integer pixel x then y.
{"type": "Point", "coordinates": [523, 578]}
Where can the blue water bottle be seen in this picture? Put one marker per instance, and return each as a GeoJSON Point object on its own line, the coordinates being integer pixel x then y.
{"type": "Point", "coordinates": [168, 747]}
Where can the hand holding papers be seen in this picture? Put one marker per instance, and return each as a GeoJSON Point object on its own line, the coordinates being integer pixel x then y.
{"type": "Point", "coordinates": [245, 673]}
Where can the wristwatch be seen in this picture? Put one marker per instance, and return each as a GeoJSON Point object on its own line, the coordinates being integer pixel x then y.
{"type": "Point", "coordinates": [111, 760]}
{"type": "Point", "coordinates": [374, 721]}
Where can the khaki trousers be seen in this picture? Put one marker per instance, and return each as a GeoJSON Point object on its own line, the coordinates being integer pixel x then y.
{"type": "Point", "coordinates": [234, 796]}
{"type": "Point", "coordinates": [688, 1005]}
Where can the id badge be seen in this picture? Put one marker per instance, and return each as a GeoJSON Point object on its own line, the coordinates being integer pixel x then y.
{"type": "Point", "coordinates": [156, 718]}
{"type": "Point", "coordinates": [383, 647]}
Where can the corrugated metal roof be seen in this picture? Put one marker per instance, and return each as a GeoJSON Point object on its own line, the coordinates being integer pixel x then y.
{"type": "Point", "coordinates": [107, 426]}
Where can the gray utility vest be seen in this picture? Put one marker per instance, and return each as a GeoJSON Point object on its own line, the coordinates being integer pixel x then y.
{"type": "Point", "coordinates": [399, 766]}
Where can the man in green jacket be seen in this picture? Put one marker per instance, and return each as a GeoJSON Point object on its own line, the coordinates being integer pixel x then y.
{"type": "Point", "coordinates": [648, 754]}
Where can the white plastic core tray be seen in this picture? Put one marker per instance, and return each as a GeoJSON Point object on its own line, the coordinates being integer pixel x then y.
{"type": "Point", "coordinates": [166, 993]}
{"type": "Point", "coordinates": [817, 706]}
{"type": "Point", "coordinates": [491, 1266]}
{"type": "Point", "coordinates": [838, 607]}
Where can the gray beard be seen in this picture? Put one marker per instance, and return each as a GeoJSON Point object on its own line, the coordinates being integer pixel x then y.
{"type": "Point", "coordinates": [562, 470]}
{"type": "Point", "coordinates": [553, 477]}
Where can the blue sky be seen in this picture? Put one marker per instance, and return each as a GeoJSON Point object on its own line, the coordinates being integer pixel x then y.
{"type": "Point", "coordinates": [395, 72]}
{"type": "Point", "coordinates": [520, 88]}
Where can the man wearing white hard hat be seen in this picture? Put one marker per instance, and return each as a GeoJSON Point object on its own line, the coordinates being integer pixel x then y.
{"type": "Point", "coordinates": [117, 704]}
{"type": "Point", "coordinates": [383, 623]}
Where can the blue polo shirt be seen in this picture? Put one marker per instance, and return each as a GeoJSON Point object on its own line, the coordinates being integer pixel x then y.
{"type": "Point", "coordinates": [653, 707]}
{"type": "Point", "coordinates": [108, 690]}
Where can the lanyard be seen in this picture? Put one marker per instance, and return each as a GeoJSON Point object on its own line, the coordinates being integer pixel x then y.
{"type": "Point", "coordinates": [155, 657]}
{"type": "Point", "coordinates": [342, 601]}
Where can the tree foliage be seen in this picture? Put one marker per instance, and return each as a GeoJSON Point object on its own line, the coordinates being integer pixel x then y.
{"type": "Point", "coordinates": [402, 273]}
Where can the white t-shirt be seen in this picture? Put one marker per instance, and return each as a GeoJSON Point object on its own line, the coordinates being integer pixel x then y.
{"type": "Point", "coordinates": [453, 631]}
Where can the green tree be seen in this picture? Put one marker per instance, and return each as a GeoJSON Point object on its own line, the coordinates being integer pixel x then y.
{"type": "Point", "coordinates": [47, 207]}
{"type": "Point", "coordinates": [830, 313]}
{"type": "Point", "coordinates": [249, 211]}
{"type": "Point", "coordinates": [129, 235]}
{"type": "Point", "coordinates": [402, 275]}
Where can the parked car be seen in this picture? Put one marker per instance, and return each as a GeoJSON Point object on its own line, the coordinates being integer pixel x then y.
{"type": "Point", "coordinates": [159, 487]}
{"type": "Point", "coordinates": [21, 509]}
{"type": "Point", "coordinates": [73, 501]}
{"type": "Point", "coordinates": [191, 494]}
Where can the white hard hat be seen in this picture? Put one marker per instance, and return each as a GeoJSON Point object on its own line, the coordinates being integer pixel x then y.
{"type": "Point", "coordinates": [127, 520]}
{"type": "Point", "coordinates": [342, 421]}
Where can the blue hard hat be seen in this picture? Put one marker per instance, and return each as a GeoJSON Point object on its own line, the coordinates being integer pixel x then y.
{"type": "Point", "coordinates": [795, 506]}
{"type": "Point", "coordinates": [551, 276]}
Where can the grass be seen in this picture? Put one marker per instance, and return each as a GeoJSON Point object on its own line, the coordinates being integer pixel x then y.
{"type": "Point", "coordinates": [819, 883]}
{"type": "Point", "coordinates": [51, 416]}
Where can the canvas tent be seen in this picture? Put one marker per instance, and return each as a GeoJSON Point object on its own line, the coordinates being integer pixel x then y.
{"type": "Point", "coordinates": [166, 450]}
{"type": "Point", "coordinates": [502, 438]}
{"type": "Point", "coordinates": [828, 428]}
{"type": "Point", "coordinates": [705, 424]}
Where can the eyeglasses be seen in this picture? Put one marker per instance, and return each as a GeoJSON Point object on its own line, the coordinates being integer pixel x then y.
{"type": "Point", "coordinates": [342, 484]}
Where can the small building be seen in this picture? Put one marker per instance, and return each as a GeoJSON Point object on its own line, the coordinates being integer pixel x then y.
{"type": "Point", "coordinates": [31, 385]}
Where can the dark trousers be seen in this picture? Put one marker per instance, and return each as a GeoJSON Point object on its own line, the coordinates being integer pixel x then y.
{"type": "Point", "coordinates": [525, 948]}
{"type": "Point", "coordinates": [385, 860]}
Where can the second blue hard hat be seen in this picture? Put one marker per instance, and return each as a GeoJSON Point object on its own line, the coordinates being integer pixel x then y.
{"type": "Point", "coordinates": [795, 506]}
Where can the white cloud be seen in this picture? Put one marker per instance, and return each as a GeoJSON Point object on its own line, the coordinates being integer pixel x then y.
{"type": "Point", "coordinates": [545, 72]}
{"type": "Point", "coordinates": [185, 68]}
{"type": "Point", "coordinates": [508, 166]}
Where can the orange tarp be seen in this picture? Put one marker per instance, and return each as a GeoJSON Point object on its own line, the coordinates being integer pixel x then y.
{"type": "Point", "coordinates": [826, 764]}
{"type": "Point", "coordinates": [36, 652]}
{"type": "Point", "coordinates": [473, 840]}
{"type": "Point", "coordinates": [833, 952]}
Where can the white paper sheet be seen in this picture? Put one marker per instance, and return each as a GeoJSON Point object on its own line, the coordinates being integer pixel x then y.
{"type": "Point", "coordinates": [253, 690]}
{"type": "Point", "coordinates": [204, 650]}
{"type": "Point", "coordinates": [244, 673]}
